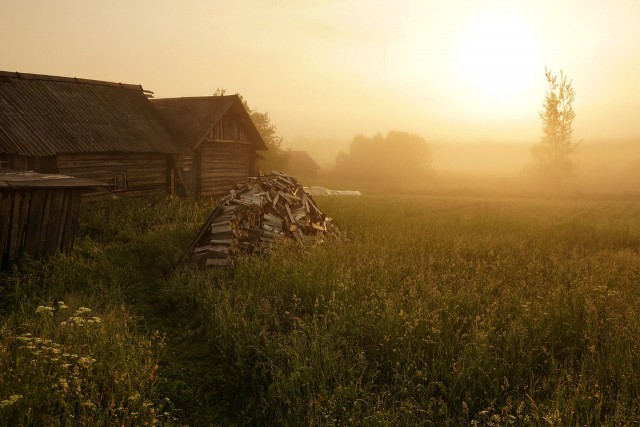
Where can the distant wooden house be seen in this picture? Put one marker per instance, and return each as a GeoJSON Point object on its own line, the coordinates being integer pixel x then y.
{"type": "Point", "coordinates": [91, 129]}
{"type": "Point", "coordinates": [38, 213]}
{"type": "Point", "coordinates": [301, 164]}
{"type": "Point", "coordinates": [218, 141]}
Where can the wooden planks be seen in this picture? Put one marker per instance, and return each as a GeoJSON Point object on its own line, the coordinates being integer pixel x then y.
{"type": "Point", "coordinates": [37, 221]}
{"type": "Point", "coordinates": [6, 207]}
{"type": "Point", "coordinates": [230, 127]}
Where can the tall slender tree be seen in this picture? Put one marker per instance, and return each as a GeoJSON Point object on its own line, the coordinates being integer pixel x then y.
{"type": "Point", "coordinates": [552, 154]}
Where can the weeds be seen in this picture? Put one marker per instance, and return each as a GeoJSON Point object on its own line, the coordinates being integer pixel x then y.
{"type": "Point", "coordinates": [493, 313]}
{"type": "Point", "coordinates": [79, 368]}
{"type": "Point", "coordinates": [431, 311]}
{"type": "Point", "coordinates": [63, 363]}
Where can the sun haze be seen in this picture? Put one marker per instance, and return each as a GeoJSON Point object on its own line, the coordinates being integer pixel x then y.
{"type": "Point", "coordinates": [499, 55]}
{"type": "Point", "coordinates": [449, 71]}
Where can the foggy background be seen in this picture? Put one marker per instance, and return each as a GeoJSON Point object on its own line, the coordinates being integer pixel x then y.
{"type": "Point", "coordinates": [468, 78]}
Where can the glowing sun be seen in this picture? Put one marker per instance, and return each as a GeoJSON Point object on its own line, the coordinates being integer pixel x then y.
{"type": "Point", "coordinates": [499, 55]}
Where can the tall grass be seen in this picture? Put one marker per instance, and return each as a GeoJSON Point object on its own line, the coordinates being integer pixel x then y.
{"type": "Point", "coordinates": [75, 348]}
{"type": "Point", "coordinates": [432, 311]}
{"type": "Point", "coordinates": [429, 311]}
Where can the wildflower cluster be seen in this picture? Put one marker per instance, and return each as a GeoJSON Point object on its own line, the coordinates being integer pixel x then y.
{"type": "Point", "coordinates": [40, 346]}
{"type": "Point", "coordinates": [55, 370]}
{"type": "Point", "coordinates": [10, 401]}
{"type": "Point", "coordinates": [81, 317]}
{"type": "Point", "coordinates": [54, 364]}
{"type": "Point", "coordinates": [159, 413]}
{"type": "Point", "coordinates": [54, 353]}
{"type": "Point", "coordinates": [45, 310]}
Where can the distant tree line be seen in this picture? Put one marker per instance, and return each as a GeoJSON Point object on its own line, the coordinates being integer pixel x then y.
{"type": "Point", "coordinates": [397, 159]}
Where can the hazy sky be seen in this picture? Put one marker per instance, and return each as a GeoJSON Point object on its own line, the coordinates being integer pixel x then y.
{"type": "Point", "coordinates": [447, 70]}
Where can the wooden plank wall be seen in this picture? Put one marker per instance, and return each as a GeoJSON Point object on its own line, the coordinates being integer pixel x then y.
{"type": "Point", "coordinates": [229, 127]}
{"type": "Point", "coordinates": [42, 164]}
{"type": "Point", "coordinates": [222, 165]}
{"type": "Point", "coordinates": [135, 173]}
{"type": "Point", "coordinates": [186, 175]}
{"type": "Point", "coordinates": [37, 221]}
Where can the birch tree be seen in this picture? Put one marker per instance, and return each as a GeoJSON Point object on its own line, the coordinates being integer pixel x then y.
{"type": "Point", "coordinates": [552, 155]}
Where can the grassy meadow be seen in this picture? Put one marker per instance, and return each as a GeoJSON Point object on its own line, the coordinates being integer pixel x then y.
{"type": "Point", "coordinates": [428, 311]}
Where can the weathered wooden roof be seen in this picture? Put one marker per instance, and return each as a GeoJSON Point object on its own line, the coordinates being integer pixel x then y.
{"type": "Point", "coordinates": [47, 115]}
{"type": "Point", "coordinates": [302, 160]}
{"type": "Point", "coordinates": [192, 118]}
{"type": "Point", "coordinates": [37, 180]}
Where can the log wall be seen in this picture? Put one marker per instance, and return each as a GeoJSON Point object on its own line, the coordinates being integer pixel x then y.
{"type": "Point", "coordinates": [37, 221]}
{"type": "Point", "coordinates": [132, 173]}
{"type": "Point", "coordinates": [42, 164]}
{"type": "Point", "coordinates": [224, 164]}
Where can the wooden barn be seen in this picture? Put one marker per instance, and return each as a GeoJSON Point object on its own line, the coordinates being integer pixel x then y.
{"type": "Point", "coordinates": [301, 164]}
{"type": "Point", "coordinates": [90, 129]}
{"type": "Point", "coordinates": [38, 213]}
{"type": "Point", "coordinates": [218, 141]}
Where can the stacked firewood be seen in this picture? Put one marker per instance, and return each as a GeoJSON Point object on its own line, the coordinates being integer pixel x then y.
{"type": "Point", "coordinates": [258, 213]}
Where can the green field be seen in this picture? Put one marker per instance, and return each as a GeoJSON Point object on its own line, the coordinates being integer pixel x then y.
{"type": "Point", "coordinates": [427, 311]}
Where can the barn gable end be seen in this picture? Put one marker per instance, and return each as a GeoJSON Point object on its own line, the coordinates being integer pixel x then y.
{"type": "Point", "coordinates": [219, 142]}
{"type": "Point", "coordinates": [302, 164]}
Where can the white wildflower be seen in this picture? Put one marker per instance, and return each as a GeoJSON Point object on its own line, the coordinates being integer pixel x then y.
{"type": "Point", "coordinates": [86, 360]}
{"type": "Point", "coordinates": [44, 310]}
{"type": "Point", "coordinates": [10, 401]}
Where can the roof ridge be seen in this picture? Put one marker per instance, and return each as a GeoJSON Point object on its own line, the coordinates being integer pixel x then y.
{"type": "Point", "coordinates": [198, 97]}
{"type": "Point", "coordinates": [46, 77]}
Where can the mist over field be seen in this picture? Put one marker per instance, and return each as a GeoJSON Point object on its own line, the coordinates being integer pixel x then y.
{"type": "Point", "coordinates": [604, 167]}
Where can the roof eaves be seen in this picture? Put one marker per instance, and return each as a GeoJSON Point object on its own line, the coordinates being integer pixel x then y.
{"type": "Point", "coordinates": [45, 77]}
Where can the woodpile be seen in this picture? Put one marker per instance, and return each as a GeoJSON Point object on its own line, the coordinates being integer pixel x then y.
{"type": "Point", "coordinates": [258, 213]}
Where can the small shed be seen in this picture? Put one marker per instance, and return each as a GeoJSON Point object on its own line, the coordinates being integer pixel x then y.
{"type": "Point", "coordinates": [38, 213]}
{"type": "Point", "coordinates": [301, 164]}
{"type": "Point", "coordinates": [91, 129]}
{"type": "Point", "coordinates": [218, 141]}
